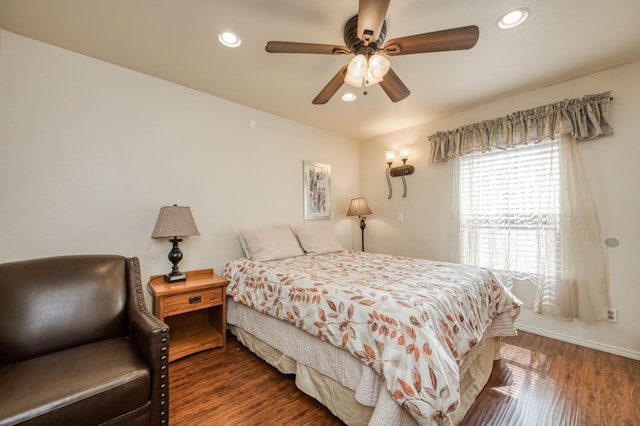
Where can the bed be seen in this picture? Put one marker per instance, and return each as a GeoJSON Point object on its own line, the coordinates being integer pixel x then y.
{"type": "Point", "coordinates": [378, 339]}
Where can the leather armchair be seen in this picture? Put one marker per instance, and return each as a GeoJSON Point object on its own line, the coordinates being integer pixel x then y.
{"type": "Point", "coordinates": [78, 345]}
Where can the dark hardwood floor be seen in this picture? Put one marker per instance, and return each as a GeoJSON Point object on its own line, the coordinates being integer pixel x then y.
{"type": "Point", "coordinates": [539, 381]}
{"type": "Point", "coordinates": [546, 382]}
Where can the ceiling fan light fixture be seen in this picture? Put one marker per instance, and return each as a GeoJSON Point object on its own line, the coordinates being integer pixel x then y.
{"type": "Point", "coordinates": [371, 80]}
{"type": "Point", "coordinates": [229, 39]}
{"type": "Point", "coordinates": [513, 18]}
{"type": "Point", "coordinates": [378, 67]}
{"type": "Point", "coordinates": [356, 71]}
{"type": "Point", "coordinates": [368, 71]}
{"type": "Point", "coordinates": [355, 82]}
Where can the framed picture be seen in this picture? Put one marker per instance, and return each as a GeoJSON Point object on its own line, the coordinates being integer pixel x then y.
{"type": "Point", "coordinates": [317, 190]}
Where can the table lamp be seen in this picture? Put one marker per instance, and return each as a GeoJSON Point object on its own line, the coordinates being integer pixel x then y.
{"type": "Point", "coordinates": [175, 221]}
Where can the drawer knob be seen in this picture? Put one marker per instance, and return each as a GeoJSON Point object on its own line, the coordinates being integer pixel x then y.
{"type": "Point", "coordinates": [195, 299]}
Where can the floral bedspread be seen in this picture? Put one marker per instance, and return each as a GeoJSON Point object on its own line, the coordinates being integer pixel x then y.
{"type": "Point", "coordinates": [411, 320]}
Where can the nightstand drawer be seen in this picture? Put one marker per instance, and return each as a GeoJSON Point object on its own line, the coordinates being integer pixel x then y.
{"type": "Point", "coordinates": [194, 300]}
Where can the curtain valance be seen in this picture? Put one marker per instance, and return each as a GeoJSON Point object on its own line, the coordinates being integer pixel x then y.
{"type": "Point", "coordinates": [583, 118]}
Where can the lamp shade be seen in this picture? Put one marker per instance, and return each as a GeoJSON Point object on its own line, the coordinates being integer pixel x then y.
{"type": "Point", "coordinates": [378, 67]}
{"type": "Point", "coordinates": [404, 153]}
{"type": "Point", "coordinates": [358, 207]}
{"type": "Point", "coordinates": [175, 221]}
{"type": "Point", "coordinates": [390, 155]}
{"type": "Point", "coordinates": [356, 71]}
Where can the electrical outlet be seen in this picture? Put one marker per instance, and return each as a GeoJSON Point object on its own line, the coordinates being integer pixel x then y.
{"type": "Point", "coordinates": [611, 314]}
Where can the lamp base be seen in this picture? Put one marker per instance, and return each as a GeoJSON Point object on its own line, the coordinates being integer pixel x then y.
{"type": "Point", "coordinates": [363, 224]}
{"type": "Point", "coordinates": [175, 278]}
{"type": "Point", "coordinates": [175, 256]}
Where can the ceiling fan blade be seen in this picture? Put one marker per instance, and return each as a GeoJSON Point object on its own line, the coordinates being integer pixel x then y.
{"type": "Point", "coordinates": [371, 15]}
{"type": "Point", "coordinates": [331, 88]}
{"type": "Point", "coordinates": [394, 87]}
{"type": "Point", "coordinates": [295, 47]}
{"type": "Point", "coordinates": [438, 41]}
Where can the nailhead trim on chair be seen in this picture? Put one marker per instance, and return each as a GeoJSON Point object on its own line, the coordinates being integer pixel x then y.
{"type": "Point", "coordinates": [164, 349]}
{"type": "Point", "coordinates": [164, 365]}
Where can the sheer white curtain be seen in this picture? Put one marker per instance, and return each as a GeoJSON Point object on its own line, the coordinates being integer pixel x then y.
{"type": "Point", "coordinates": [523, 205]}
{"type": "Point", "coordinates": [583, 291]}
{"type": "Point", "coordinates": [527, 214]}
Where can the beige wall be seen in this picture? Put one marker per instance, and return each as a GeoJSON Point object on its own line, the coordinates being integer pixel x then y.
{"type": "Point", "coordinates": [611, 166]}
{"type": "Point", "coordinates": [89, 152]}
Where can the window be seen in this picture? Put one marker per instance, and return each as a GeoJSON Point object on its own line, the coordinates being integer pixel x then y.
{"type": "Point", "coordinates": [509, 212]}
{"type": "Point", "coordinates": [527, 212]}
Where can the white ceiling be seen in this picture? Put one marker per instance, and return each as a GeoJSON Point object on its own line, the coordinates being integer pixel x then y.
{"type": "Point", "coordinates": [176, 40]}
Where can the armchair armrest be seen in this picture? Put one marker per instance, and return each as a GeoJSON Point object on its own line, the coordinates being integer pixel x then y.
{"type": "Point", "coordinates": [151, 337]}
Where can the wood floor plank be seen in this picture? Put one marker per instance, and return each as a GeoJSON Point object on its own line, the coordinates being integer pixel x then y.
{"type": "Point", "coordinates": [233, 386]}
{"type": "Point", "coordinates": [538, 382]}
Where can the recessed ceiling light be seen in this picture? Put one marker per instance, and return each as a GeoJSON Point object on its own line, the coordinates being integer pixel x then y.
{"type": "Point", "coordinates": [513, 18]}
{"type": "Point", "coordinates": [349, 97]}
{"type": "Point", "coordinates": [229, 39]}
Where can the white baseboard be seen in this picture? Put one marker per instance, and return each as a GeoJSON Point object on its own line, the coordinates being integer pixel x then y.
{"type": "Point", "coordinates": [580, 342]}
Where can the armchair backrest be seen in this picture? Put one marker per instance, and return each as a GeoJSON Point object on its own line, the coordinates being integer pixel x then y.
{"type": "Point", "coordinates": [51, 304]}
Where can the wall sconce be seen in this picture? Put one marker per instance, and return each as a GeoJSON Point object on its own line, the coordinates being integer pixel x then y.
{"type": "Point", "coordinates": [400, 171]}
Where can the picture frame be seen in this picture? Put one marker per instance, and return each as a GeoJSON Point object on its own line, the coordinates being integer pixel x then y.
{"type": "Point", "coordinates": [316, 190]}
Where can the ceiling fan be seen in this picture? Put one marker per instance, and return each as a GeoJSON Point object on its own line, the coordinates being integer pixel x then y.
{"type": "Point", "coordinates": [364, 36]}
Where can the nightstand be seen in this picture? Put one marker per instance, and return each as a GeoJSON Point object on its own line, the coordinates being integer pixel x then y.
{"type": "Point", "coordinates": [194, 310]}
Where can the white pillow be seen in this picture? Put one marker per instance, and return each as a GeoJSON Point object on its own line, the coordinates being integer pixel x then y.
{"type": "Point", "coordinates": [317, 240]}
{"type": "Point", "coordinates": [269, 243]}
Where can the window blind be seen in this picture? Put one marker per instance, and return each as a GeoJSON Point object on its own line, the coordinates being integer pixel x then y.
{"type": "Point", "coordinates": [509, 211]}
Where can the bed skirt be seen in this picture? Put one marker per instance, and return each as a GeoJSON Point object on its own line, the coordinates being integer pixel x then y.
{"type": "Point", "coordinates": [351, 390]}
